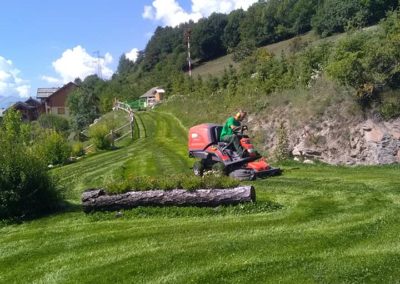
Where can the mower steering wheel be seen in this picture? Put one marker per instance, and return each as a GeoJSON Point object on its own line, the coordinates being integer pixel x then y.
{"type": "Point", "coordinates": [240, 129]}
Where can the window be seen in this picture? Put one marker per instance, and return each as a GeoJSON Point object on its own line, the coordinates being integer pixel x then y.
{"type": "Point", "coordinates": [60, 110]}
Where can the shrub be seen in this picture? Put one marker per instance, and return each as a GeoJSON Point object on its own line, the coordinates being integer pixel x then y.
{"type": "Point", "coordinates": [98, 134]}
{"type": "Point", "coordinates": [55, 122]}
{"type": "Point", "coordinates": [26, 188]}
{"type": "Point", "coordinates": [390, 107]}
{"type": "Point", "coordinates": [243, 50]}
{"type": "Point", "coordinates": [77, 149]}
{"type": "Point", "coordinates": [52, 147]}
{"type": "Point", "coordinates": [282, 148]}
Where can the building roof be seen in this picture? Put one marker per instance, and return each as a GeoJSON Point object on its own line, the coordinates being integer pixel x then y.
{"type": "Point", "coordinates": [32, 102]}
{"type": "Point", "coordinates": [152, 91]}
{"type": "Point", "coordinates": [22, 105]}
{"type": "Point", "coordinates": [43, 93]}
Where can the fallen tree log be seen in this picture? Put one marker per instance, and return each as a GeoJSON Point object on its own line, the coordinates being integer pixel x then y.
{"type": "Point", "coordinates": [99, 200]}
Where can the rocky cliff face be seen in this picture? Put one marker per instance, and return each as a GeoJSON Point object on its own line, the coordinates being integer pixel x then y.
{"type": "Point", "coordinates": [335, 140]}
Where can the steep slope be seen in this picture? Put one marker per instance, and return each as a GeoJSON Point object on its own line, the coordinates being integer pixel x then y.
{"type": "Point", "coordinates": [160, 148]}
{"type": "Point", "coordinates": [217, 66]}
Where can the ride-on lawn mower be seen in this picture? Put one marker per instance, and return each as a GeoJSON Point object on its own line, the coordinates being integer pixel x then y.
{"type": "Point", "coordinates": [219, 156]}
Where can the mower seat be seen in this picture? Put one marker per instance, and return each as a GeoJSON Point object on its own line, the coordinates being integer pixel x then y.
{"type": "Point", "coordinates": [217, 133]}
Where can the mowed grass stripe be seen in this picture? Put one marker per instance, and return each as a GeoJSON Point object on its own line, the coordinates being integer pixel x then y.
{"type": "Point", "coordinates": [140, 126]}
{"type": "Point", "coordinates": [91, 171]}
{"type": "Point", "coordinates": [166, 151]}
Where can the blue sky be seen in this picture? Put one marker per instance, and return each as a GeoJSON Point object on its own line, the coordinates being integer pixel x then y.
{"type": "Point", "coordinates": [46, 43]}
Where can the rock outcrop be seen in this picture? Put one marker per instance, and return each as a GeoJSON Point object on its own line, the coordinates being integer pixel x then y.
{"type": "Point", "coordinates": [337, 140]}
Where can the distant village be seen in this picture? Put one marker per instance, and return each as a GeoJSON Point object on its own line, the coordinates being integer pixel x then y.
{"type": "Point", "coordinates": [54, 101]}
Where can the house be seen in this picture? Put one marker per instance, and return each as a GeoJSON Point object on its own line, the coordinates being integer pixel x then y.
{"type": "Point", "coordinates": [28, 109]}
{"type": "Point", "coordinates": [153, 96]}
{"type": "Point", "coordinates": [54, 100]}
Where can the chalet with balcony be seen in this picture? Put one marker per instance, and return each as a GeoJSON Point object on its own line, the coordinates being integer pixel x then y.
{"type": "Point", "coordinates": [54, 100]}
{"type": "Point", "coordinates": [153, 96]}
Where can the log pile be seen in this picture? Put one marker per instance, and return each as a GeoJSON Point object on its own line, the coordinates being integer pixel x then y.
{"type": "Point", "coordinates": [99, 200]}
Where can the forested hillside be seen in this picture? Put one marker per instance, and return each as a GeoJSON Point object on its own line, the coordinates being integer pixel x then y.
{"type": "Point", "coordinates": [240, 34]}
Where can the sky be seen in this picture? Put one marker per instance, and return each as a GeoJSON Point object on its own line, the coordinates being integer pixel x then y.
{"type": "Point", "coordinates": [48, 43]}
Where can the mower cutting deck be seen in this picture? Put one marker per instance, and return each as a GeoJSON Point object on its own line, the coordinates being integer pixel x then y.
{"type": "Point", "coordinates": [204, 144]}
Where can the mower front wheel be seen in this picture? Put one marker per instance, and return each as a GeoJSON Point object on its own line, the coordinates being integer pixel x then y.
{"type": "Point", "coordinates": [219, 168]}
{"type": "Point", "coordinates": [198, 168]}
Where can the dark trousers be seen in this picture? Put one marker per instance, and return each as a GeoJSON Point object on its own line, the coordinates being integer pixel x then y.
{"type": "Point", "coordinates": [234, 139]}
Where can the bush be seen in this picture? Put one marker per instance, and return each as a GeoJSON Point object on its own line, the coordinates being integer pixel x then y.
{"type": "Point", "coordinates": [26, 188]}
{"type": "Point", "coordinates": [243, 50]}
{"type": "Point", "coordinates": [282, 151]}
{"type": "Point", "coordinates": [52, 147]}
{"type": "Point", "coordinates": [55, 122]}
{"type": "Point", "coordinates": [390, 106]}
{"type": "Point", "coordinates": [98, 136]}
{"type": "Point", "coordinates": [77, 149]}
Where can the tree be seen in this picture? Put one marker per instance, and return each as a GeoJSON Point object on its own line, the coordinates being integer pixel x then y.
{"type": "Point", "coordinates": [336, 16]}
{"type": "Point", "coordinates": [231, 36]}
{"type": "Point", "coordinates": [26, 188]}
{"type": "Point", "coordinates": [125, 65]}
{"type": "Point", "coordinates": [301, 14]}
{"type": "Point", "coordinates": [207, 37]}
{"type": "Point", "coordinates": [83, 103]}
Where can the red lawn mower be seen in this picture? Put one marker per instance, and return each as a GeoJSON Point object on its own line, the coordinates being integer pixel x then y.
{"type": "Point", "coordinates": [204, 144]}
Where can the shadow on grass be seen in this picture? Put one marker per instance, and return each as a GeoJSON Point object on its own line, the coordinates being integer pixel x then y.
{"type": "Point", "coordinates": [61, 208]}
{"type": "Point", "coordinates": [187, 211]}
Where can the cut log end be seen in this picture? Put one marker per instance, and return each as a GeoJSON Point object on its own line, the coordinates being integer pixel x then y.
{"type": "Point", "coordinates": [99, 200]}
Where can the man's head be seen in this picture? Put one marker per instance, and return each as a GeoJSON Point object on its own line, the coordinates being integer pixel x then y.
{"type": "Point", "coordinates": [240, 115]}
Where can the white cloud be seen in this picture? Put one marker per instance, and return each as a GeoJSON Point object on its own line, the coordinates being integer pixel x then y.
{"type": "Point", "coordinates": [170, 12]}
{"type": "Point", "coordinates": [148, 12]}
{"type": "Point", "coordinates": [11, 83]}
{"type": "Point", "coordinates": [132, 55]}
{"type": "Point", "coordinates": [51, 80]}
{"type": "Point", "coordinates": [77, 62]}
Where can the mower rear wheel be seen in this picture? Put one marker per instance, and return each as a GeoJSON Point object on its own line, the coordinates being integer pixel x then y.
{"type": "Point", "coordinates": [198, 168]}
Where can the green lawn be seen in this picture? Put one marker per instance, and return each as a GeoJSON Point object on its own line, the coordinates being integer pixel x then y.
{"type": "Point", "coordinates": [314, 224]}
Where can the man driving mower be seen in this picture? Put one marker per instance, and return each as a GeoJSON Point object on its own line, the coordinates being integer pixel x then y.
{"type": "Point", "coordinates": [229, 133]}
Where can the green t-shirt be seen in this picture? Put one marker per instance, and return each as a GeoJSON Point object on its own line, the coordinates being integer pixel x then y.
{"type": "Point", "coordinates": [227, 130]}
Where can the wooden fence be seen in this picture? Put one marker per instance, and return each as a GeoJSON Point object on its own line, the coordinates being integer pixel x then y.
{"type": "Point", "coordinates": [125, 107]}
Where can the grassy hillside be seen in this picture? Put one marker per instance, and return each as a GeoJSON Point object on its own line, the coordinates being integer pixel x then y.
{"type": "Point", "coordinates": [315, 223]}
{"type": "Point", "coordinates": [216, 67]}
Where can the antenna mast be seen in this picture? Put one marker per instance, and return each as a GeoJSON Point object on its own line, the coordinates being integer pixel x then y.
{"type": "Point", "coordinates": [98, 58]}
{"type": "Point", "coordinates": [188, 33]}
